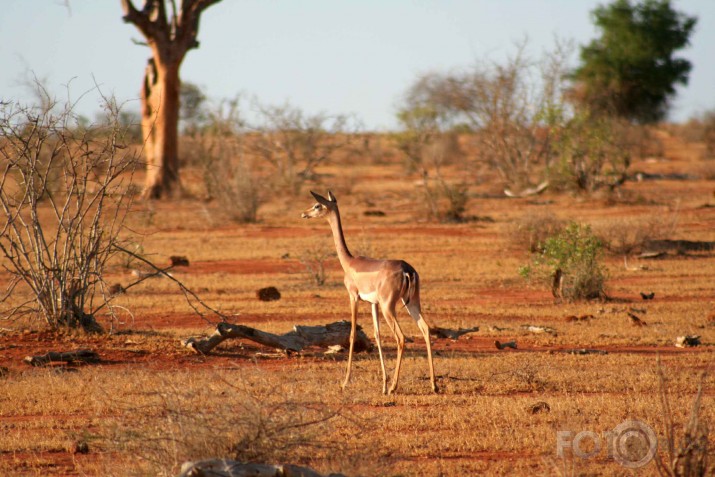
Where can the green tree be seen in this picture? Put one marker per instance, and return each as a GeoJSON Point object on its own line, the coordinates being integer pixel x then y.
{"type": "Point", "coordinates": [631, 70]}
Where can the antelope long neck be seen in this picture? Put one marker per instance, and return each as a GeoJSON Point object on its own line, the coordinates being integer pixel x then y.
{"type": "Point", "coordinates": [336, 227]}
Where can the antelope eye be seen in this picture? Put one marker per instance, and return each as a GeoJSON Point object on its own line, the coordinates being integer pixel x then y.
{"type": "Point", "coordinates": [316, 206]}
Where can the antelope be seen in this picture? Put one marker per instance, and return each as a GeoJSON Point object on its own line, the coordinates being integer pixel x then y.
{"type": "Point", "coordinates": [383, 284]}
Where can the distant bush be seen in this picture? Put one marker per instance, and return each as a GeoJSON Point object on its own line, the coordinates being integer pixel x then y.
{"type": "Point", "coordinates": [626, 236]}
{"type": "Point", "coordinates": [591, 152]}
{"type": "Point", "coordinates": [532, 230]}
{"type": "Point", "coordinates": [572, 261]}
{"type": "Point", "coordinates": [444, 201]}
{"type": "Point", "coordinates": [218, 149]}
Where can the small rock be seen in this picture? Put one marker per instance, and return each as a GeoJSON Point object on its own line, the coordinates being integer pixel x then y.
{"type": "Point", "coordinates": [268, 294]}
{"type": "Point", "coordinates": [179, 261]}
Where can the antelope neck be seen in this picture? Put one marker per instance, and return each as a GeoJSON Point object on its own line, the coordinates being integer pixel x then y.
{"type": "Point", "coordinates": [336, 227]}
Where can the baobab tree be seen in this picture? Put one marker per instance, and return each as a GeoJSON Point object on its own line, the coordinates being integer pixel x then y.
{"type": "Point", "coordinates": [170, 31]}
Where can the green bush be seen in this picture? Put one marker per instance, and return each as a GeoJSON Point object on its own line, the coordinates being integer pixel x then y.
{"type": "Point", "coordinates": [572, 261]}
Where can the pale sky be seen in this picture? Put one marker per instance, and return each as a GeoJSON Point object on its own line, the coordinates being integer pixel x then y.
{"type": "Point", "coordinates": [332, 56]}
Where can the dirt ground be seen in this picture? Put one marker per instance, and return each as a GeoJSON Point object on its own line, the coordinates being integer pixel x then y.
{"type": "Point", "coordinates": [477, 424]}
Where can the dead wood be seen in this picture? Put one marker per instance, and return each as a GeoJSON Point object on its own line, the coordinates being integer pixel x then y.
{"type": "Point", "coordinates": [687, 341]}
{"type": "Point", "coordinates": [584, 351]}
{"type": "Point", "coordinates": [451, 334]}
{"type": "Point", "coordinates": [536, 190]}
{"type": "Point", "coordinates": [300, 338]}
{"type": "Point", "coordinates": [537, 329]}
{"type": "Point", "coordinates": [679, 246]}
{"type": "Point", "coordinates": [636, 320]}
{"type": "Point", "coordinates": [508, 344]}
{"type": "Point", "coordinates": [232, 468]}
{"type": "Point", "coordinates": [648, 255]}
{"type": "Point", "coordinates": [80, 355]}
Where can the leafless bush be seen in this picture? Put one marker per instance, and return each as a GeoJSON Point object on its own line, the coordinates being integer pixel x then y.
{"type": "Point", "coordinates": [294, 143]}
{"type": "Point", "coordinates": [515, 107]}
{"type": "Point", "coordinates": [512, 108]}
{"type": "Point", "coordinates": [62, 193]}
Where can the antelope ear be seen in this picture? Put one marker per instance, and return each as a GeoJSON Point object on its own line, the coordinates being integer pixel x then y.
{"type": "Point", "coordinates": [319, 198]}
{"type": "Point", "coordinates": [331, 197]}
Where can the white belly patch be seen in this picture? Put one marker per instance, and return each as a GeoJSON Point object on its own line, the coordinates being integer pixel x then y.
{"type": "Point", "coordinates": [369, 297]}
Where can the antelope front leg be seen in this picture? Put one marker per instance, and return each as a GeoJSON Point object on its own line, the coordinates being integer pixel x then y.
{"type": "Point", "coordinates": [353, 326]}
{"type": "Point", "coordinates": [376, 325]}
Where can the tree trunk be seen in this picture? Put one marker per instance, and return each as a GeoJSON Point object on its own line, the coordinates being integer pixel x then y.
{"type": "Point", "coordinates": [160, 119]}
{"type": "Point", "coordinates": [170, 32]}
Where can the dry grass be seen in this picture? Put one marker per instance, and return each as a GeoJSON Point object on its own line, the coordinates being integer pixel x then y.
{"type": "Point", "coordinates": [151, 405]}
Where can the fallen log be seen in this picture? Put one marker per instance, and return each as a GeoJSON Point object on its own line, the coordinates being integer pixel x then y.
{"type": "Point", "coordinates": [80, 355]}
{"type": "Point", "coordinates": [451, 334]}
{"type": "Point", "coordinates": [536, 190]}
{"type": "Point", "coordinates": [300, 338]}
{"type": "Point", "coordinates": [232, 468]}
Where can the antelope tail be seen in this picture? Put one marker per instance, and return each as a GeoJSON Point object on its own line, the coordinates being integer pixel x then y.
{"type": "Point", "coordinates": [409, 284]}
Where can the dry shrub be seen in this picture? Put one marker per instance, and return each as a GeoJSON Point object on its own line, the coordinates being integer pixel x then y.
{"type": "Point", "coordinates": [64, 203]}
{"type": "Point", "coordinates": [625, 236]}
{"type": "Point", "coordinates": [686, 451]}
{"type": "Point", "coordinates": [571, 261]}
{"type": "Point", "coordinates": [699, 129]}
{"type": "Point", "coordinates": [174, 422]}
{"type": "Point", "coordinates": [230, 177]}
{"type": "Point", "coordinates": [444, 201]}
{"type": "Point", "coordinates": [292, 143]}
{"type": "Point", "coordinates": [531, 230]}
{"type": "Point", "coordinates": [314, 258]}
{"type": "Point", "coordinates": [642, 141]}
